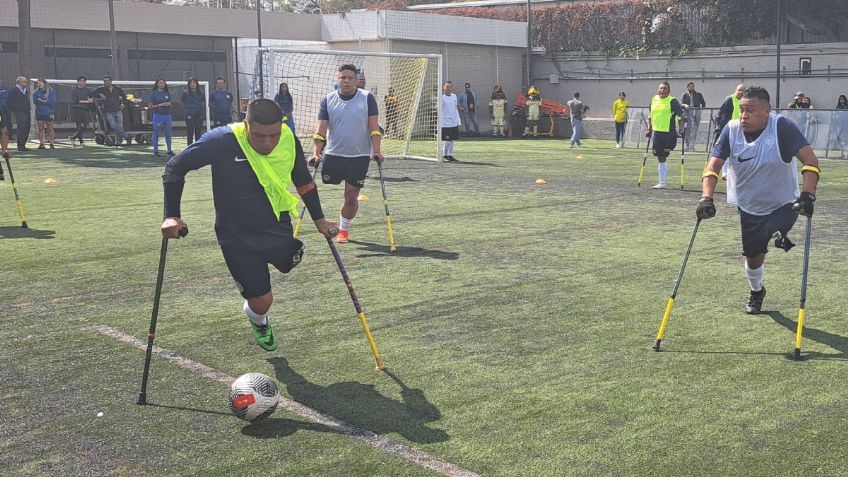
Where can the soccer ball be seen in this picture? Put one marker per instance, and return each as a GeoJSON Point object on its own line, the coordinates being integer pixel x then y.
{"type": "Point", "coordinates": [253, 397]}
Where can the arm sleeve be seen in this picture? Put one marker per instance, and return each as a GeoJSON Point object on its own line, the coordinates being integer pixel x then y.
{"type": "Point", "coordinates": [372, 106]}
{"type": "Point", "coordinates": [789, 139]}
{"type": "Point", "coordinates": [323, 115]}
{"type": "Point", "coordinates": [721, 149]}
{"type": "Point", "coordinates": [51, 98]}
{"type": "Point", "coordinates": [301, 177]}
{"type": "Point", "coordinates": [724, 112]}
{"type": "Point", "coordinates": [676, 108]}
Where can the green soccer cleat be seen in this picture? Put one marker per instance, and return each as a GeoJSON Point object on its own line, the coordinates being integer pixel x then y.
{"type": "Point", "coordinates": [264, 335]}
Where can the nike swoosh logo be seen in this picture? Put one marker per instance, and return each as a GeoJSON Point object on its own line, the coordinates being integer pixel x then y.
{"type": "Point", "coordinates": [740, 159]}
{"type": "Point", "coordinates": [240, 159]}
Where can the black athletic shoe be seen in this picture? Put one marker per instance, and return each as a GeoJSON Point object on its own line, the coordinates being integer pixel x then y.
{"type": "Point", "coordinates": [2, 177]}
{"type": "Point", "coordinates": [41, 146]}
{"type": "Point", "coordinates": [755, 302]}
{"type": "Point", "coordinates": [24, 149]}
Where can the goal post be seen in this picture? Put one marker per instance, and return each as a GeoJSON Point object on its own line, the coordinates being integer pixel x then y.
{"type": "Point", "coordinates": [411, 122]}
{"type": "Point", "coordinates": [138, 93]}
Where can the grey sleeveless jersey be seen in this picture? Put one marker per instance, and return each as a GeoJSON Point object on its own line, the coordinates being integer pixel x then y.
{"type": "Point", "coordinates": [758, 180]}
{"type": "Point", "coordinates": [348, 134]}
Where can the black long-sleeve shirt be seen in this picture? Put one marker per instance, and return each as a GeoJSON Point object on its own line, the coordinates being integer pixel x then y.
{"type": "Point", "coordinates": [243, 214]}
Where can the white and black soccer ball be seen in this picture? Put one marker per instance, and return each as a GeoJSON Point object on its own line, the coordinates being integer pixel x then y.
{"type": "Point", "coordinates": [253, 397]}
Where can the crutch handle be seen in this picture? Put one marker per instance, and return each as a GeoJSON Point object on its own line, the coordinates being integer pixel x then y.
{"type": "Point", "coordinates": [333, 231]}
{"type": "Point", "coordinates": [7, 155]}
{"type": "Point", "coordinates": [183, 231]}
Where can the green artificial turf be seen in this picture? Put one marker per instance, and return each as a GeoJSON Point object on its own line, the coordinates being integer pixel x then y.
{"type": "Point", "coordinates": [516, 321]}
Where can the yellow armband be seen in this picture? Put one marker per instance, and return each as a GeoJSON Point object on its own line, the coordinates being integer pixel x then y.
{"type": "Point", "coordinates": [811, 169]}
{"type": "Point", "coordinates": [708, 174]}
{"type": "Point", "coordinates": [319, 137]}
{"type": "Point", "coordinates": [376, 133]}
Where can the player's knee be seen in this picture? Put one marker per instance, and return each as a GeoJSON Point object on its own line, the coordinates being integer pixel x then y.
{"type": "Point", "coordinates": [261, 304]}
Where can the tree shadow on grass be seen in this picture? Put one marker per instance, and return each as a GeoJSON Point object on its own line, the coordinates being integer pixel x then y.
{"type": "Point", "coordinates": [380, 250]}
{"type": "Point", "coordinates": [16, 232]}
{"type": "Point", "coordinates": [839, 343]}
{"type": "Point", "coordinates": [360, 405]}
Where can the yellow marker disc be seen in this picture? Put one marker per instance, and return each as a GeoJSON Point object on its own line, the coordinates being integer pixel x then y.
{"type": "Point", "coordinates": [541, 181]}
{"type": "Point", "coordinates": [363, 197]}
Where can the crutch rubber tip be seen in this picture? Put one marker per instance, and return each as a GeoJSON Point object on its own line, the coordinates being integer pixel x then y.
{"type": "Point", "coordinates": [796, 354]}
{"type": "Point", "coordinates": [24, 225]}
{"type": "Point", "coordinates": [142, 400]}
{"type": "Point", "coordinates": [380, 365]}
{"type": "Point", "coordinates": [656, 346]}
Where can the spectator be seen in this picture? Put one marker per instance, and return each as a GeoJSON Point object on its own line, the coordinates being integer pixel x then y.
{"type": "Point", "coordinates": [44, 98]}
{"type": "Point", "coordinates": [20, 107]}
{"type": "Point", "coordinates": [221, 104]}
{"type": "Point", "coordinates": [284, 99]}
{"type": "Point", "coordinates": [576, 109]}
{"type": "Point", "coordinates": [360, 79]}
{"type": "Point", "coordinates": [534, 109]}
{"type": "Point", "coordinates": [391, 103]}
{"type": "Point", "coordinates": [840, 125]}
{"type": "Point", "coordinates": [692, 102]}
{"type": "Point", "coordinates": [497, 111]}
{"type": "Point", "coordinates": [160, 103]}
{"type": "Point", "coordinates": [619, 115]}
{"type": "Point", "coordinates": [194, 101]}
{"type": "Point", "coordinates": [467, 102]}
{"type": "Point", "coordinates": [806, 103]}
{"type": "Point", "coordinates": [80, 106]}
{"type": "Point", "coordinates": [113, 98]}
{"type": "Point", "coordinates": [800, 118]}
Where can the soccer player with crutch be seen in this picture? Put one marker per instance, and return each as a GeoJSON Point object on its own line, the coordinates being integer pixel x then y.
{"type": "Point", "coordinates": [761, 150]}
{"type": "Point", "coordinates": [666, 123]}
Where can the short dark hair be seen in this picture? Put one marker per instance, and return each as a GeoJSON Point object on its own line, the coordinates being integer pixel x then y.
{"type": "Point", "coordinates": [348, 67]}
{"type": "Point", "coordinates": [576, 95]}
{"type": "Point", "coordinates": [467, 85]}
{"type": "Point", "coordinates": [83, 78]}
{"type": "Point", "coordinates": [756, 92]}
{"type": "Point", "coordinates": [666, 83]}
{"type": "Point", "coordinates": [107, 77]}
{"type": "Point", "coordinates": [220, 78]}
{"type": "Point", "coordinates": [264, 111]}
{"type": "Point", "coordinates": [691, 83]}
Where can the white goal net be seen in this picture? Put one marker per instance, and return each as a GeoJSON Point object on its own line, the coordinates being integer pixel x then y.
{"type": "Point", "coordinates": [410, 122]}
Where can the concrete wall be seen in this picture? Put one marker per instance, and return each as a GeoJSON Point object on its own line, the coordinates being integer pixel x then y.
{"type": "Point", "coordinates": [715, 73]}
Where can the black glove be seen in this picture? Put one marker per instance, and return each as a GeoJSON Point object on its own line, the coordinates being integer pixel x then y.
{"type": "Point", "coordinates": [706, 208]}
{"type": "Point", "coordinates": [804, 204]}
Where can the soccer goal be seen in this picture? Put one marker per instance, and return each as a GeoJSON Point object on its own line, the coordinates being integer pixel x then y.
{"type": "Point", "coordinates": [410, 122]}
{"type": "Point", "coordinates": [136, 117]}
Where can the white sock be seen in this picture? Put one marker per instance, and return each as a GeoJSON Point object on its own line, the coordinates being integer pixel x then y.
{"type": "Point", "coordinates": [255, 318]}
{"type": "Point", "coordinates": [663, 168]}
{"type": "Point", "coordinates": [449, 148]}
{"type": "Point", "coordinates": [344, 223]}
{"type": "Point", "coordinates": [755, 276]}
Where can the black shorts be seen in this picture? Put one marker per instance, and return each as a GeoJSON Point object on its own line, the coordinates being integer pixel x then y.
{"type": "Point", "coordinates": [349, 169]}
{"type": "Point", "coordinates": [664, 143]}
{"type": "Point", "coordinates": [249, 268]}
{"type": "Point", "coordinates": [39, 117]}
{"type": "Point", "coordinates": [757, 230]}
{"type": "Point", "coordinates": [450, 134]}
{"type": "Point", "coordinates": [80, 116]}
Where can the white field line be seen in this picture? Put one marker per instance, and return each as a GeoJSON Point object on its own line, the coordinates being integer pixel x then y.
{"type": "Point", "coordinates": [374, 440]}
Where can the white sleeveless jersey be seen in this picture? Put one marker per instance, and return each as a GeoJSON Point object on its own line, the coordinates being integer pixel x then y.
{"type": "Point", "coordinates": [348, 134]}
{"type": "Point", "coordinates": [758, 180]}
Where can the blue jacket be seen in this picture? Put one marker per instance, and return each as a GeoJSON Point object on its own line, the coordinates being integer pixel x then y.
{"type": "Point", "coordinates": [462, 102]}
{"type": "Point", "coordinates": [285, 102]}
{"type": "Point", "coordinates": [45, 103]}
{"type": "Point", "coordinates": [221, 103]}
{"type": "Point", "coordinates": [157, 97]}
{"type": "Point", "coordinates": [193, 103]}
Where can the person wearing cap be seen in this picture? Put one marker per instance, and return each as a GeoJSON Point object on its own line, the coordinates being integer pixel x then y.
{"type": "Point", "coordinates": [800, 118]}
{"type": "Point", "coordinates": [534, 109]}
{"type": "Point", "coordinates": [797, 101]}
{"type": "Point", "coordinates": [576, 109]}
